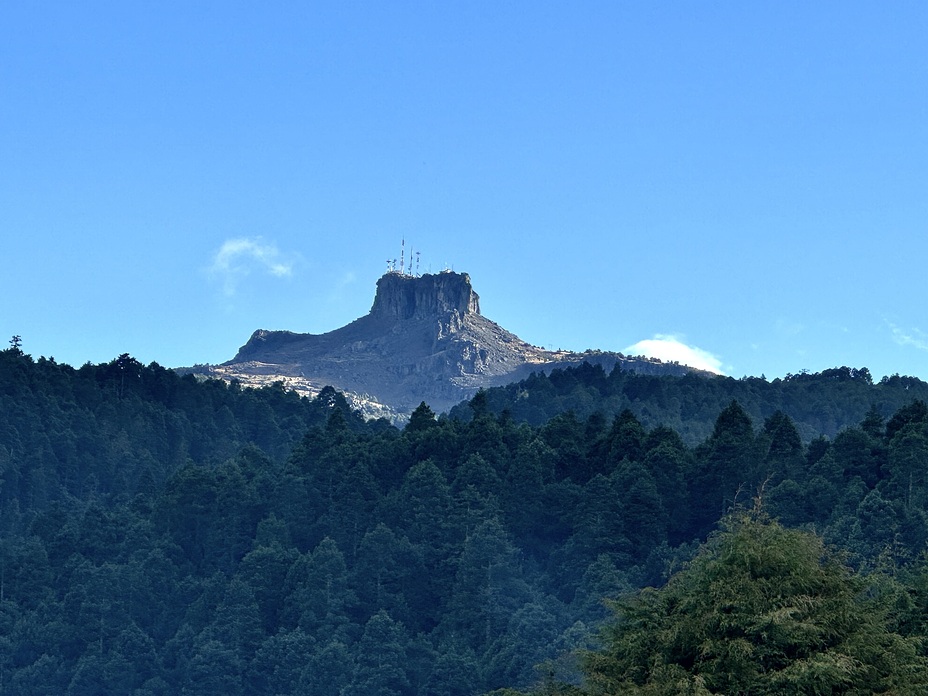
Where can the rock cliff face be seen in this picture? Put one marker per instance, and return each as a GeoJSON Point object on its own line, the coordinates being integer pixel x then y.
{"type": "Point", "coordinates": [408, 297]}
{"type": "Point", "coordinates": [424, 339]}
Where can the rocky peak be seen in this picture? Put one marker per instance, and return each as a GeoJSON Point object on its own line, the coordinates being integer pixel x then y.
{"type": "Point", "coordinates": [418, 297]}
{"type": "Point", "coordinates": [424, 339]}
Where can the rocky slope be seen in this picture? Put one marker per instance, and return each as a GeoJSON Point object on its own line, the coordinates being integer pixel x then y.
{"type": "Point", "coordinates": [424, 339]}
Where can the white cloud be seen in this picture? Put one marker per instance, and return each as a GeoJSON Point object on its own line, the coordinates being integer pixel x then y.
{"type": "Point", "coordinates": [670, 348]}
{"type": "Point", "coordinates": [237, 258]}
{"type": "Point", "coordinates": [912, 337]}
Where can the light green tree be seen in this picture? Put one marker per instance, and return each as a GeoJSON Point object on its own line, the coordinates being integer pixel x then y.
{"type": "Point", "coordinates": [762, 610]}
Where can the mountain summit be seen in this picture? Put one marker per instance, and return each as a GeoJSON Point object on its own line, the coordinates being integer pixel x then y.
{"type": "Point", "coordinates": [424, 297]}
{"type": "Point", "coordinates": [424, 339]}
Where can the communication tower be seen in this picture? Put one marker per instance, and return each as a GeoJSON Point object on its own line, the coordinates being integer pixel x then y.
{"type": "Point", "coordinates": [413, 269]}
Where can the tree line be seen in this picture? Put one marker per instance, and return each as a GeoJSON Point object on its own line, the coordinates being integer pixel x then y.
{"type": "Point", "coordinates": [160, 535]}
{"type": "Point", "coordinates": [819, 403]}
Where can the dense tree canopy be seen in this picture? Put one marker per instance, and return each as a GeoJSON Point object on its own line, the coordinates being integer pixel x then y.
{"type": "Point", "coordinates": [160, 535]}
{"type": "Point", "coordinates": [761, 610]}
{"type": "Point", "coordinates": [822, 403]}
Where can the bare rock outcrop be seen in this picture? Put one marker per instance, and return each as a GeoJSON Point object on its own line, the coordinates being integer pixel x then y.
{"type": "Point", "coordinates": [424, 339]}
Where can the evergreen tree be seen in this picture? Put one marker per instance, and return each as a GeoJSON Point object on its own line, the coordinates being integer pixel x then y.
{"type": "Point", "coordinates": [389, 573]}
{"type": "Point", "coordinates": [329, 670]}
{"type": "Point", "coordinates": [381, 659]}
{"type": "Point", "coordinates": [626, 438]}
{"type": "Point", "coordinates": [489, 587]}
{"type": "Point", "coordinates": [727, 467]}
{"type": "Point", "coordinates": [319, 596]}
{"type": "Point", "coordinates": [644, 518]}
{"type": "Point", "coordinates": [762, 610]}
{"type": "Point", "coordinates": [422, 418]}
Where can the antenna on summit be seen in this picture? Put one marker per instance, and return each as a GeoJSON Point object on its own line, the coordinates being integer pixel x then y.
{"type": "Point", "coordinates": [402, 256]}
{"type": "Point", "coordinates": [417, 262]}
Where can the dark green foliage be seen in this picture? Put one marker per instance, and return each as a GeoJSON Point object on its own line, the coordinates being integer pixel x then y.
{"type": "Point", "coordinates": [382, 659]}
{"type": "Point", "coordinates": [319, 598]}
{"type": "Point", "coordinates": [728, 467]}
{"type": "Point", "coordinates": [390, 575]}
{"type": "Point", "coordinates": [818, 403]}
{"type": "Point", "coordinates": [122, 428]}
{"type": "Point", "coordinates": [422, 418]}
{"type": "Point", "coordinates": [761, 610]}
{"type": "Point", "coordinates": [625, 439]}
{"type": "Point", "coordinates": [160, 535]}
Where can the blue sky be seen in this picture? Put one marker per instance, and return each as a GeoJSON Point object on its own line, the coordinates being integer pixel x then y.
{"type": "Point", "coordinates": [748, 181]}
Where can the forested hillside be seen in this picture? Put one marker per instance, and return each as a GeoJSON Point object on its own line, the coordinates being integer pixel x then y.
{"type": "Point", "coordinates": [164, 536]}
{"type": "Point", "coordinates": [121, 428]}
{"type": "Point", "coordinates": [821, 403]}
{"type": "Point", "coordinates": [761, 610]}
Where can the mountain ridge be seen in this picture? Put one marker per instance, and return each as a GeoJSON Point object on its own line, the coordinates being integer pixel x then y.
{"type": "Point", "coordinates": [424, 339]}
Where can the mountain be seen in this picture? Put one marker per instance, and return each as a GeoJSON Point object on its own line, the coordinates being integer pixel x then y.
{"type": "Point", "coordinates": [424, 339]}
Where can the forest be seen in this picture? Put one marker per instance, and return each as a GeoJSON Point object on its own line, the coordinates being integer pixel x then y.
{"type": "Point", "coordinates": [820, 403]}
{"type": "Point", "coordinates": [162, 535]}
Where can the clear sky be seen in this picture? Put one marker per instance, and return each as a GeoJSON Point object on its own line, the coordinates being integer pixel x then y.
{"type": "Point", "coordinates": [747, 180]}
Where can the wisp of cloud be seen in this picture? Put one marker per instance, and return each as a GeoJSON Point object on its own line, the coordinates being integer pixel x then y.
{"type": "Point", "coordinates": [237, 257]}
{"type": "Point", "coordinates": [912, 337]}
{"type": "Point", "coordinates": [670, 348]}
